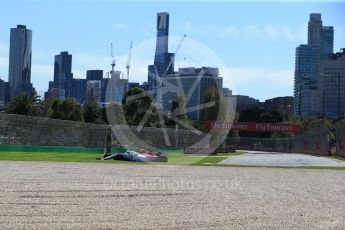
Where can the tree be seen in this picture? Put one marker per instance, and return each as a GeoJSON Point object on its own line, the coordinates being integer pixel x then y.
{"type": "Point", "coordinates": [211, 96]}
{"type": "Point", "coordinates": [44, 108]}
{"type": "Point", "coordinates": [92, 113]}
{"type": "Point", "coordinates": [67, 109]}
{"type": "Point", "coordinates": [178, 112]}
{"type": "Point", "coordinates": [137, 105]}
{"type": "Point", "coordinates": [24, 104]}
{"type": "Point", "coordinates": [260, 116]}
{"type": "Point", "coordinates": [113, 114]}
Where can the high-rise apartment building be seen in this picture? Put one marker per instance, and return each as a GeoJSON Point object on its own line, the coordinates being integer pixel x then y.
{"type": "Point", "coordinates": [19, 71]}
{"type": "Point", "coordinates": [327, 42]}
{"type": "Point", "coordinates": [320, 45]}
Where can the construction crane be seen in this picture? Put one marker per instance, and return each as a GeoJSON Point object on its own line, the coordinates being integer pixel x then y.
{"type": "Point", "coordinates": [112, 60]}
{"type": "Point", "coordinates": [128, 64]}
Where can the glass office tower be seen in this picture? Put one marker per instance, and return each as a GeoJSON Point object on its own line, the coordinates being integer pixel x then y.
{"type": "Point", "coordinates": [19, 74]}
{"type": "Point", "coordinates": [62, 72]}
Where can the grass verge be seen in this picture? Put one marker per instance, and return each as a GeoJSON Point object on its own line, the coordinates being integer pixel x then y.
{"type": "Point", "coordinates": [176, 157]}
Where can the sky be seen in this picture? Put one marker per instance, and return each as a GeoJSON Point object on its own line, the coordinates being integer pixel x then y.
{"type": "Point", "coordinates": [253, 43]}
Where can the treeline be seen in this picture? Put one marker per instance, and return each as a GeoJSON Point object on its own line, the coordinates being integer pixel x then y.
{"type": "Point", "coordinates": [268, 116]}
{"type": "Point", "coordinates": [64, 109]}
{"type": "Point", "coordinates": [138, 108]}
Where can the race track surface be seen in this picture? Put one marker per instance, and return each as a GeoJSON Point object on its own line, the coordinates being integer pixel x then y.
{"type": "Point", "coordinates": [281, 159]}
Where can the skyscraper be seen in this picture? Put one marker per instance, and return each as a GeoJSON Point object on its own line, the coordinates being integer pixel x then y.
{"type": "Point", "coordinates": [164, 61]}
{"type": "Point", "coordinates": [320, 45]}
{"type": "Point", "coordinates": [94, 75]}
{"type": "Point", "coordinates": [315, 29]}
{"type": "Point", "coordinates": [19, 71]}
{"type": "Point", "coordinates": [327, 42]}
{"type": "Point", "coordinates": [76, 88]}
{"type": "Point", "coordinates": [4, 93]}
{"type": "Point", "coordinates": [195, 82]}
{"type": "Point", "coordinates": [62, 72]}
{"type": "Point", "coordinates": [331, 85]}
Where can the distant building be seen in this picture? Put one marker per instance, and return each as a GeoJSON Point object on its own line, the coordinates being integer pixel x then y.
{"type": "Point", "coordinates": [244, 102]}
{"type": "Point", "coordinates": [227, 92]}
{"type": "Point", "coordinates": [144, 86]}
{"type": "Point", "coordinates": [320, 36]}
{"type": "Point", "coordinates": [94, 75]}
{"type": "Point", "coordinates": [163, 61]}
{"type": "Point", "coordinates": [62, 72]}
{"type": "Point", "coordinates": [76, 88]}
{"type": "Point", "coordinates": [133, 85]}
{"type": "Point", "coordinates": [195, 82]}
{"type": "Point", "coordinates": [305, 70]}
{"type": "Point", "coordinates": [4, 93]}
{"type": "Point", "coordinates": [331, 85]}
{"type": "Point", "coordinates": [93, 91]}
{"type": "Point", "coordinates": [320, 45]}
{"type": "Point", "coordinates": [282, 104]}
{"type": "Point", "coordinates": [327, 42]}
{"type": "Point", "coordinates": [113, 89]}
{"type": "Point", "coordinates": [19, 73]}
{"type": "Point", "coordinates": [309, 98]}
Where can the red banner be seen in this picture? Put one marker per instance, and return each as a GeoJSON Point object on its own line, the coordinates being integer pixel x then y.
{"type": "Point", "coordinates": [255, 127]}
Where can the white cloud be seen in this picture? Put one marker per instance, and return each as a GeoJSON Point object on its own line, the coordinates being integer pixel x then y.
{"type": "Point", "coordinates": [120, 26]}
{"type": "Point", "coordinates": [229, 31]}
{"type": "Point", "coordinates": [266, 32]}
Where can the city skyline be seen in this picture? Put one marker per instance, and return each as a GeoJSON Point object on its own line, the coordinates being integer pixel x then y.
{"type": "Point", "coordinates": [226, 39]}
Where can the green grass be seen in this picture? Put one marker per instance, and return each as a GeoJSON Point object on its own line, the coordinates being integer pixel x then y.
{"type": "Point", "coordinates": [337, 158]}
{"type": "Point", "coordinates": [47, 156]}
{"type": "Point", "coordinates": [237, 153]}
{"type": "Point", "coordinates": [175, 156]}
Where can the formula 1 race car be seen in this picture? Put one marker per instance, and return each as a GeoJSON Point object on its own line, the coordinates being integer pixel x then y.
{"type": "Point", "coordinates": [141, 155]}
